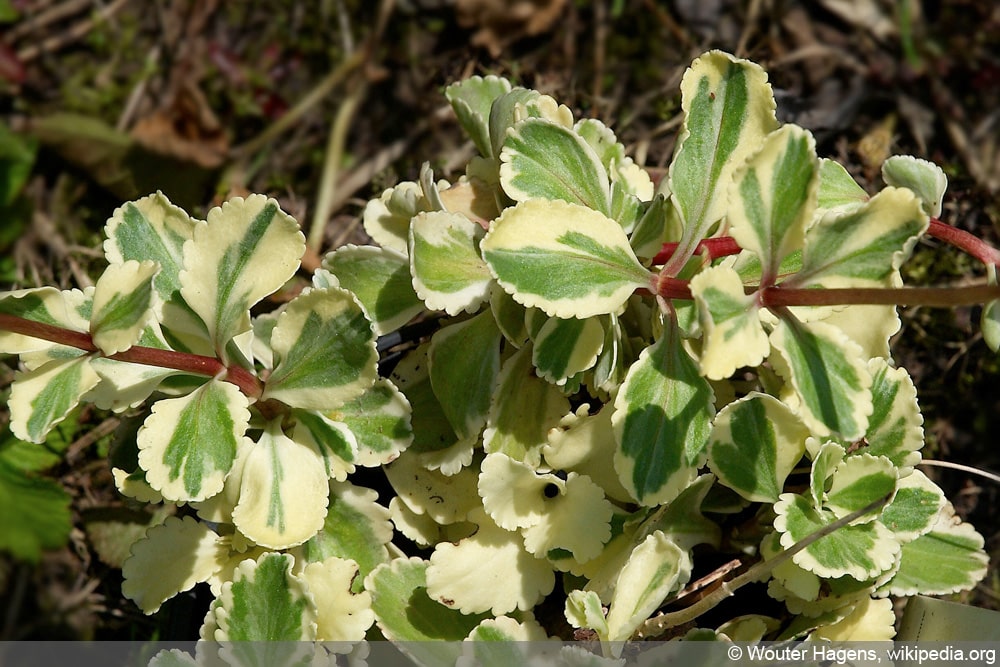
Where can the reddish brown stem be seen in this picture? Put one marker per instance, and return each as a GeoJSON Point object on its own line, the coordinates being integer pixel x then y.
{"type": "Point", "coordinates": [776, 297]}
{"type": "Point", "coordinates": [717, 247]}
{"type": "Point", "coordinates": [197, 364]}
{"type": "Point", "coordinates": [964, 241]}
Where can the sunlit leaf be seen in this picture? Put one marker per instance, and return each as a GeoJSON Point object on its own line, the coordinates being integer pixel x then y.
{"type": "Point", "coordinates": [861, 551]}
{"type": "Point", "coordinates": [565, 347]}
{"type": "Point", "coordinates": [341, 615]}
{"type": "Point", "coordinates": [661, 422]}
{"type": "Point", "coordinates": [380, 422]}
{"type": "Point", "coordinates": [729, 109]}
{"type": "Point", "coordinates": [488, 571]}
{"type": "Point", "coordinates": [387, 219]}
{"type": "Point", "coordinates": [123, 299]}
{"type": "Point", "coordinates": [894, 428]}
{"type": "Point", "coordinates": [826, 370]}
{"type": "Point", "coordinates": [245, 250]}
{"type": "Point", "coordinates": [859, 481]}
{"type": "Point", "coordinates": [380, 278]}
{"type": "Point", "coordinates": [568, 260]}
{"type": "Point", "coordinates": [837, 189]}
{"type": "Point", "coordinates": [948, 559]}
{"type": "Point", "coordinates": [863, 247]}
{"type": "Point", "coordinates": [265, 602]}
{"type": "Point", "coordinates": [915, 509]}
{"type": "Point", "coordinates": [173, 557]}
{"type": "Point", "coordinates": [284, 491]}
{"type": "Point", "coordinates": [46, 305]}
{"type": "Point", "coordinates": [773, 197]}
{"type": "Point", "coordinates": [43, 397]}
{"type": "Point", "coordinates": [324, 350]}
{"type": "Point", "coordinates": [448, 272]}
{"type": "Point", "coordinates": [755, 443]}
{"type": "Point", "coordinates": [733, 333]}
{"type": "Point", "coordinates": [187, 445]}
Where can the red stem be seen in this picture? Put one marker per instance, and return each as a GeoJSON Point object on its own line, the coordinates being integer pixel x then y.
{"type": "Point", "coordinates": [197, 364]}
{"type": "Point", "coordinates": [964, 241]}
{"type": "Point", "coordinates": [717, 247]}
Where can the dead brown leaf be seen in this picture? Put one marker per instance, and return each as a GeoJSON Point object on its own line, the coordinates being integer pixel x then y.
{"type": "Point", "coordinates": [501, 23]}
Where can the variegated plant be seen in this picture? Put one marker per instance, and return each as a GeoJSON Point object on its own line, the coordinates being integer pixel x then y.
{"type": "Point", "coordinates": [603, 374]}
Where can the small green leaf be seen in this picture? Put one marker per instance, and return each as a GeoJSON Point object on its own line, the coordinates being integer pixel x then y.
{"type": "Point", "coordinates": [173, 557]}
{"type": "Point", "coordinates": [405, 613]}
{"type": "Point", "coordinates": [34, 512]}
{"type": "Point", "coordinates": [543, 160]}
{"type": "Point", "coordinates": [661, 422]}
{"type": "Point", "coordinates": [387, 219]}
{"type": "Point", "coordinates": [151, 228]}
{"type": "Point", "coordinates": [448, 273]}
{"type": "Point", "coordinates": [246, 250]}
{"type": "Point", "coordinates": [324, 351]}
{"type": "Point", "coordinates": [773, 197]}
{"type": "Point", "coordinates": [925, 179]}
{"type": "Point", "coordinates": [380, 421]}
{"type": "Point", "coordinates": [356, 527]}
{"type": "Point", "coordinates": [755, 443]}
{"type": "Point", "coordinates": [380, 278]}
{"type": "Point", "coordinates": [730, 319]}
{"type": "Point", "coordinates": [472, 100]}
{"type": "Point", "coordinates": [862, 551]}
{"type": "Point", "coordinates": [837, 189]}
{"type": "Point", "coordinates": [265, 602]}
{"type": "Point", "coordinates": [464, 365]}
{"type": "Point", "coordinates": [43, 397]}
{"type": "Point", "coordinates": [563, 348]}
{"type": "Point", "coordinates": [284, 491]}
{"type": "Point", "coordinates": [729, 109]}
{"type": "Point", "coordinates": [863, 247]}
{"type": "Point", "coordinates": [568, 260]}
{"type": "Point", "coordinates": [894, 428]}
{"type": "Point", "coordinates": [829, 377]}
{"type": "Point", "coordinates": [948, 559]}
{"type": "Point", "coordinates": [332, 439]}
{"type": "Point", "coordinates": [859, 481]}
{"type": "Point", "coordinates": [523, 409]}
{"type": "Point", "coordinates": [187, 445]}
{"type": "Point", "coordinates": [123, 299]}
{"type": "Point", "coordinates": [915, 509]}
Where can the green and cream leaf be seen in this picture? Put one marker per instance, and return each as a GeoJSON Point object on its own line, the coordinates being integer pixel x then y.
{"type": "Point", "coordinates": [661, 422]}
{"type": "Point", "coordinates": [333, 439]}
{"type": "Point", "coordinates": [171, 558]}
{"type": "Point", "coordinates": [187, 445]}
{"type": "Point", "coordinates": [566, 347]}
{"type": "Point", "coordinates": [324, 351]}
{"type": "Point", "coordinates": [123, 302]}
{"type": "Point", "coordinates": [151, 228]}
{"type": "Point", "coordinates": [472, 100]}
{"type": "Point", "coordinates": [773, 197]}
{"type": "Point", "coordinates": [729, 109]}
{"type": "Point", "coordinates": [380, 279]}
{"type": "Point", "coordinates": [48, 306]}
{"type": "Point", "coordinates": [245, 250]}
{"type": "Point", "coordinates": [380, 422]}
{"type": "Point", "coordinates": [284, 491]}
{"type": "Point", "coordinates": [862, 551]}
{"type": "Point", "coordinates": [895, 426]}
{"type": "Point", "coordinates": [755, 443]}
{"type": "Point", "coordinates": [387, 219]}
{"type": "Point", "coordinates": [733, 333]}
{"type": "Point", "coordinates": [948, 559]}
{"type": "Point", "coordinates": [566, 259]}
{"type": "Point", "coordinates": [925, 179]}
{"type": "Point", "coordinates": [341, 615]}
{"type": "Point", "coordinates": [915, 509]}
{"type": "Point", "coordinates": [448, 272]}
{"type": "Point", "coordinates": [838, 191]}
{"type": "Point", "coordinates": [541, 159]}
{"type": "Point", "coordinates": [827, 373]}
{"type": "Point", "coordinates": [44, 396]}
{"type": "Point", "coordinates": [863, 247]}
{"type": "Point", "coordinates": [265, 602]}
{"type": "Point", "coordinates": [859, 481]}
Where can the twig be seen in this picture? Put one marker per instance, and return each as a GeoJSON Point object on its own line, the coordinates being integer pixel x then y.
{"type": "Point", "coordinates": [74, 34]}
{"type": "Point", "coordinates": [985, 474]}
{"type": "Point", "coordinates": [655, 627]}
{"type": "Point", "coordinates": [46, 17]}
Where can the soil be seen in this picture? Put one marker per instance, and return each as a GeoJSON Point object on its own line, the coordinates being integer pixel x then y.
{"type": "Point", "coordinates": [206, 100]}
